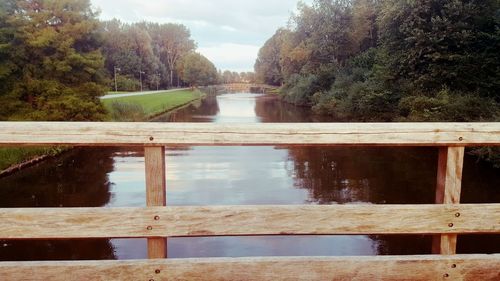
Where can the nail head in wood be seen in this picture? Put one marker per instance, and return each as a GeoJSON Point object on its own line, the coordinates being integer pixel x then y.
{"type": "Point", "coordinates": [150, 228]}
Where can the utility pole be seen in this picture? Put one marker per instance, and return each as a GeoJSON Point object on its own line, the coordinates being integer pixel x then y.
{"type": "Point", "coordinates": [140, 75]}
{"type": "Point", "coordinates": [116, 83]}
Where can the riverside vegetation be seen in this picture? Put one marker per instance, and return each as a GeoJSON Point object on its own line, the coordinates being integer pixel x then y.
{"type": "Point", "coordinates": [141, 108]}
{"type": "Point", "coordinates": [390, 60]}
{"type": "Point", "coordinates": [357, 60]}
{"type": "Point", "coordinates": [57, 59]}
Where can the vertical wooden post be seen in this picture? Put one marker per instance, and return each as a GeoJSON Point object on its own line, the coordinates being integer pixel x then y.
{"type": "Point", "coordinates": [156, 193]}
{"type": "Point", "coordinates": [448, 190]}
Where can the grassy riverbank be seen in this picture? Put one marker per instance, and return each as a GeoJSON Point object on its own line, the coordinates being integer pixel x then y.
{"type": "Point", "coordinates": [141, 108]}
{"type": "Point", "coordinates": [135, 108]}
{"type": "Point", "coordinates": [10, 156]}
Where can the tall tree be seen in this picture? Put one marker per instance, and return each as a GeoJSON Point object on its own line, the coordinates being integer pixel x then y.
{"type": "Point", "coordinates": [364, 24]}
{"type": "Point", "coordinates": [152, 48]}
{"type": "Point", "coordinates": [436, 43]}
{"type": "Point", "coordinates": [197, 70]}
{"type": "Point", "coordinates": [325, 29]}
{"type": "Point", "coordinates": [267, 67]}
{"type": "Point", "coordinates": [175, 41]}
{"type": "Point", "coordinates": [53, 65]}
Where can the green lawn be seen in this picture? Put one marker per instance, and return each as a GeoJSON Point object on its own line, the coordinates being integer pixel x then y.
{"type": "Point", "coordinates": [13, 155]}
{"type": "Point", "coordinates": [136, 108]}
{"type": "Point", "coordinates": [149, 105]}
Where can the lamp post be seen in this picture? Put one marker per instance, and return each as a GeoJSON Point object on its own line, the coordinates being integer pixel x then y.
{"type": "Point", "coordinates": [116, 83]}
{"type": "Point", "coordinates": [140, 75]}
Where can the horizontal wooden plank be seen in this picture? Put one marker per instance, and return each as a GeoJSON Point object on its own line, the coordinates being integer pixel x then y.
{"type": "Point", "coordinates": [459, 267]}
{"type": "Point", "coordinates": [247, 220]}
{"type": "Point", "coordinates": [143, 134]}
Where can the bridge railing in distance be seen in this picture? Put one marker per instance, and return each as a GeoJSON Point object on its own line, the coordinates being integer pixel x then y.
{"type": "Point", "coordinates": [445, 220]}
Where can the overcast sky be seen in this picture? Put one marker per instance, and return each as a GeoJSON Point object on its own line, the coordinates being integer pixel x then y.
{"type": "Point", "coordinates": [228, 32]}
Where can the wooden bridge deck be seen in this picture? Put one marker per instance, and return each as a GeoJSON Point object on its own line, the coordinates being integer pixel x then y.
{"type": "Point", "coordinates": [445, 220]}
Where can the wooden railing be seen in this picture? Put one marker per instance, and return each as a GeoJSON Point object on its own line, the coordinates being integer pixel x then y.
{"type": "Point", "coordinates": [445, 220]}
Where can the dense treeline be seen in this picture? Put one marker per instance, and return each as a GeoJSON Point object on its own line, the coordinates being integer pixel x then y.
{"type": "Point", "coordinates": [51, 67]}
{"type": "Point", "coordinates": [147, 52]}
{"type": "Point", "coordinates": [57, 59]}
{"type": "Point", "coordinates": [389, 60]}
{"type": "Point", "coordinates": [228, 77]}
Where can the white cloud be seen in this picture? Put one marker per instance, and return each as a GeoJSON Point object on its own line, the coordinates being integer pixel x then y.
{"type": "Point", "coordinates": [229, 28]}
{"type": "Point", "coordinates": [221, 27]}
{"type": "Point", "coordinates": [236, 57]}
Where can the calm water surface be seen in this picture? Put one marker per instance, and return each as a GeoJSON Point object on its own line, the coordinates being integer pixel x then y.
{"type": "Point", "coordinates": [113, 177]}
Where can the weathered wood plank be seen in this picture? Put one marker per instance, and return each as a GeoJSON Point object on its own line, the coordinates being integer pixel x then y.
{"type": "Point", "coordinates": [156, 193]}
{"type": "Point", "coordinates": [448, 190]}
{"type": "Point", "coordinates": [460, 267]}
{"type": "Point", "coordinates": [151, 134]}
{"type": "Point", "coordinates": [247, 220]}
{"type": "Point", "coordinates": [449, 181]}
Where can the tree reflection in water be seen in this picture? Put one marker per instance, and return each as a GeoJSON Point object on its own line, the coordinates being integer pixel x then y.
{"type": "Point", "coordinates": [77, 179]}
{"type": "Point", "coordinates": [243, 175]}
{"type": "Point", "coordinates": [368, 175]}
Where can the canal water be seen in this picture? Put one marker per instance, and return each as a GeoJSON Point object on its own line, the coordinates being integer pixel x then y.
{"type": "Point", "coordinates": [114, 177]}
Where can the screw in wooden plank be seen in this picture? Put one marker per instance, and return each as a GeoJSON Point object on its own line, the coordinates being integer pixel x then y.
{"type": "Point", "coordinates": [150, 227]}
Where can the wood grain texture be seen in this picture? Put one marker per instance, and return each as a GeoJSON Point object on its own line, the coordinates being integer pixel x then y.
{"type": "Point", "coordinates": [414, 268]}
{"type": "Point", "coordinates": [448, 191]}
{"type": "Point", "coordinates": [247, 220]}
{"type": "Point", "coordinates": [156, 193]}
{"type": "Point", "coordinates": [155, 134]}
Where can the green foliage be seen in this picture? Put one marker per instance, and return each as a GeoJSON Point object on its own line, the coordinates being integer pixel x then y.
{"type": "Point", "coordinates": [391, 60]}
{"type": "Point", "coordinates": [51, 65]}
{"type": "Point", "coordinates": [127, 83]}
{"type": "Point", "coordinates": [436, 43]}
{"type": "Point", "coordinates": [369, 60]}
{"type": "Point", "coordinates": [300, 89]}
{"type": "Point", "coordinates": [267, 67]}
{"type": "Point", "coordinates": [127, 112]}
{"type": "Point", "coordinates": [355, 95]}
{"type": "Point", "coordinates": [155, 49]}
{"type": "Point", "coordinates": [197, 70]}
{"type": "Point", "coordinates": [228, 77]}
{"type": "Point", "coordinates": [449, 106]}
{"type": "Point", "coordinates": [10, 156]}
